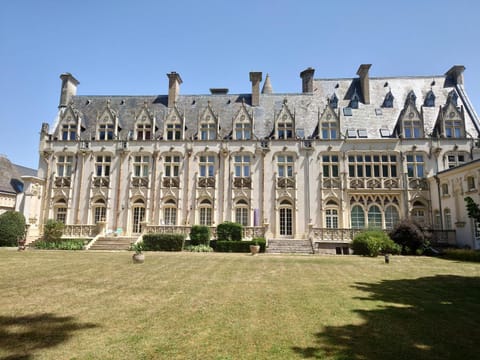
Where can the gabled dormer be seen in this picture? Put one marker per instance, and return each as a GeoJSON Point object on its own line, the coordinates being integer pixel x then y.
{"type": "Point", "coordinates": [354, 100]}
{"type": "Point", "coordinates": [69, 126]}
{"type": "Point", "coordinates": [284, 123]}
{"type": "Point", "coordinates": [329, 123]}
{"type": "Point", "coordinates": [144, 124]}
{"type": "Point", "coordinates": [242, 124]}
{"type": "Point", "coordinates": [429, 99]}
{"type": "Point", "coordinates": [107, 123]}
{"type": "Point", "coordinates": [333, 101]}
{"type": "Point", "coordinates": [451, 119]}
{"type": "Point", "coordinates": [388, 101]}
{"type": "Point", "coordinates": [174, 125]}
{"type": "Point", "coordinates": [208, 124]}
{"type": "Point", "coordinates": [410, 122]}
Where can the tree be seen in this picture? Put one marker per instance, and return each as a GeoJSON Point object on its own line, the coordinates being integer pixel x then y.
{"type": "Point", "coordinates": [53, 230]}
{"type": "Point", "coordinates": [410, 236]}
{"type": "Point", "coordinates": [473, 209]}
{"type": "Point", "coordinates": [12, 228]}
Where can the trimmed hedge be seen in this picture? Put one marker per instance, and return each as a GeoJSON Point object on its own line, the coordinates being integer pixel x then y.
{"type": "Point", "coordinates": [12, 228]}
{"type": "Point", "coordinates": [53, 230]}
{"type": "Point", "coordinates": [229, 231]}
{"type": "Point", "coordinates": [63, 244]}
{"type": "Point", "coordinates": [372, 243]}
{"type": "Point", "coordinates": [163, 242]}
{"type": "Point", "coordinates": [462, 255]}
{"type": "Point", "coordinates": [199, 235]}
{"type": "Point", "coordinates": [239, 246]}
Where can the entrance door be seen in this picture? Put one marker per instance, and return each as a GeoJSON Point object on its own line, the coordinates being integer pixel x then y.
{"type": "Point", "coordinates": [138, 217]}
{"type": "Point", "coordinates": [286, 228]}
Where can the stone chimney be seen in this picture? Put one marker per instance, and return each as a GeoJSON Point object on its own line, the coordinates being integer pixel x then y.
{"type": "Point", "coordinates": [255, 78]}
{"type": "Point", "coordinates": [69, 89]}
{"type": "Point", "coordinates": [174, 81]}
{"type": "Point", "coordinates": [307, 80]}
{"type": "Point", "coordinates": [455, 74]}
{"type": "Point", "coordinates": [364, 82]}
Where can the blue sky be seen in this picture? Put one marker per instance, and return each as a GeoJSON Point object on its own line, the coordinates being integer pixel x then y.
{"type": "Point", "coordinates": [127, 47]}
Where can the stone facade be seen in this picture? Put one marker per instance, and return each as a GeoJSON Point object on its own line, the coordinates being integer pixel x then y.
{"type": "Point", "coordinates": [341, 155]}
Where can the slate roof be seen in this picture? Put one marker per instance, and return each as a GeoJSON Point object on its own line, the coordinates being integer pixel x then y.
{"type": "Point", "coordinates": [306, 107]}
{"type": "Point", "coordinates": [10, 176]}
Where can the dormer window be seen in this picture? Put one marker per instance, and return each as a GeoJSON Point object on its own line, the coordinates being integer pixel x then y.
{"type": "Point", "coordinates": [453, 128]}
{"type": "Point", "coordinates": [243, 129]}
{"type": "Point", "coordinates": [144, 131]}
{"type": "Point", "coordinates": [69, 132]}
{"type": "Point", "coordinates": [285, 129]}
{"type": "Point", "coordinates": [452, 97]}
{"type": "Point", "coordinates": [333, 101]}
{"type": "Point", "coordinates": [412, 129]}
{"type": "Point", "coordinates": [105, 132]}
{"type": "Point", "coordinates": [411, 98]}
{"type": "Point", "coordinates": [354, 100]}
{"type": "Point", "coordinates": [430, 99]}
{"type": "Point", "coordinates": [173, 128]}
{"type": "Point", "coordinates": [207, 131]}
{"type": "Point", "coordinates": [388, 101]}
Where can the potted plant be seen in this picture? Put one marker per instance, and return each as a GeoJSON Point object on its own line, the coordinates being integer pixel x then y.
{"type": "Point", "coordinates": [254, 248]}
{"type": "Point", "coordinates": [138, 257]}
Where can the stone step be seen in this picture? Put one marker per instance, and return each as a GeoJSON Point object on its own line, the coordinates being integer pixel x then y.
{"type": "Point", "coordinates": [289, 246]}
{"type": "Point", "coordinates": [113, 243]}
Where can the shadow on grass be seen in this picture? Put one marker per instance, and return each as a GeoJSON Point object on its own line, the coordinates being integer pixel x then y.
{"type": "Point", "coordinates": [427, 318]}
{"type": "Point", "coordinates": [21, 336]}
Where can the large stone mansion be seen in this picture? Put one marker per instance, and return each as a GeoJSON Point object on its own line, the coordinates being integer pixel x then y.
{"type": "Point", "coordinates": [340, 155]}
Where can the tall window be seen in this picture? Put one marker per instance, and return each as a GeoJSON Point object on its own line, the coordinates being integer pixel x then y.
{"type": "Point", "coordinates": [471, 183]}
{"type": "Point", "coordinates": [105, 131]}
{"type": "Point", "coordinates": [207, 165]}
{"type": "Point", "coordinates": [99, 211]}
{"type": "Point", "coordinates": [374, 217]}
{"type": "Point", "coordinates": [243, 129]}
{"type": "Point", "coordinates": [206, 213]}
{"type": "Point", "coordinates": [412, 129]}
{"type": "Point", "coordinates": [331, 218]}
{"type": "Point", "coordinates": [357, 217]}
{"type": "Point", "coordinates": [418, 212]}
{"type": "Point", "coordinates": [444, 189]}
{"type": "Point", "coordinates": [330, 165]}
{"type": "Point", "coordinates": [141, 165]}
{"type": "Point", "coordinates": [391, 217]}
{"type": "Point", "coordinates": [437, 220]}
{"type": "Point", "coordinates": [447, 219]}
{"type": "Point", "coordinates": [144, 131]}
{"type": "Point", "coordinates": [453, 128]}
{"type": "Point", "coordinates": [329, 127]}
{"type": "Point", "coordinates": [172, 165]}
{"type": "Point", "coordinates": [174, 131]}
{"type": "Point", "coordinates": [69, 132]}
{"type": "Point", "coordinates": [285, 165]}
{"type": "Point", "coordinates": [102, 165]}
{"type": "Point", "coordinates": [372, 166]}
{"type": "Point", "coordinates": [138, 216]}
{"type": "Point", "coordinates": [242, 165]}
{"type": "Point", "coordinates": [415, 166]}
{"type": "Point", "coordinates": [60, 211]}
{"type": "Point", "coordinates": [285, 128]}
{"type": "Point", "coordinates": [241, 212]}
{"type": "Point", "coordinates": [64, 165]}
{"type": "Point", "coordinates": [170, 212]}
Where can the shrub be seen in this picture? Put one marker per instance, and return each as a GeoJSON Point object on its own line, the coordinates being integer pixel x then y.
{"type": "Point", "coordinates": [198, 248]}
{"type": "Point", "coordinates": [64, 244]}
{"type": "Point", "coordinates": [229, 231]}
{"type": "Point", "coordinates": [12, 228]}
{"type": "Point", "coordinates": [163, 242]}
{"type": "Point", "coordinates": [199, 235]}
{"type": "Point", "coordinates": [53, 230]}
{"type": "Point", "coordinates": [372, 243]}
{"type": "Point", "coordinates": [410, 236]}
{"type": "Point", "coordinates": [239, 246]}
{"type": "Point", "coordinates": [462, 254]}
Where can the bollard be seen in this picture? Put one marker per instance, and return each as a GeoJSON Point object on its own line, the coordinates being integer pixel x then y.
{"type": "Point", "coordinates": [387, 258]}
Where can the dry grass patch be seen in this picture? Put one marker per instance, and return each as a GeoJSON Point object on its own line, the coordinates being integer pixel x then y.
{"type": "Point", "coordinates": [99, 305]}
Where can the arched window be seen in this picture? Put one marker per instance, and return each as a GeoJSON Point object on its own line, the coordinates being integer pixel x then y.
{"type": "Point", "coordinates": [331, 215]}
{"type": "Point", "coordinates": [60, 210]}
{"type": "Point", "coordinates": [374, 217]}
{"type": "Point", "coordinates": [170, 212]}
{"type": "Point", "coordinates": [357, 217]}
{"type": "Point", "coordinates": [99, 211]}
{"type": "Point", "coordinates": [206, 212]}
{"type": "Point", "coordinates": [138, 215]}
{"type": "Point", "coordinates": [391, 217]}
{"type": "Point", "coordinates": [286, 218]}
{"type": "Point", "coordinates": [418, 212]}
{"type": "Point", "coordinates": [242, 212]}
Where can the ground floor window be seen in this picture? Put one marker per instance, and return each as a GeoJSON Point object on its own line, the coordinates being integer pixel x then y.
{"type": "Point", "coordinates": [331, 218]}
{"type": "Point", "coordinates": [286, 218]}
{"type": "Point", "coordinates": [358, 217]}
{"type": "Point", "coordinates": [242, 212]}
{"type": "Point", "coordinates": [138, 216]}
{"type": "Point", "coordinates": [61, 214]}
{"type": "Point", "coordinates": [206, 213]}
{"type": "Point", "coordinates": [170, 216]}
{"type": "Point", "coordinates": [391, 217]}
{"type": "Point", "coordinates": [374, 217]}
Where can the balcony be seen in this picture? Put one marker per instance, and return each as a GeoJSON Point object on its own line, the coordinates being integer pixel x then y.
{"type": "Point", "coordinates": [171, 182]}
{"type": "Point", "coordinates": [242, 182]}
{"type": "Point", "coordinates": [332, 183]}
{"type": "Point", "coordinates": [374, 183]}
{"type": "Point", "coordinates": [333, 235]}
{"type": "Point", "coordinates": [62, 182]}
{"type": "Point", "coordinates": [101, 181]}
{"type": "Point", "coordinates": [206, 182]}
{"type": "Point", "coordinates": [140, 181]}
{"type": "Point", "coordinates": [286, 182]}
{"type": "Point", "coordinates": [418, 183]}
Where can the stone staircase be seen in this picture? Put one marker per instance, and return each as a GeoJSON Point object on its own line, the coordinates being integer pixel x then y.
{"type": "Point", "coordinates": [113, 243]}
{"type": "Point", "coordinates": [289, 246]}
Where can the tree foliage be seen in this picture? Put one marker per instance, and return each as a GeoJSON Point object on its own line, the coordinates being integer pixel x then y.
{"type": "Point", "coordinates": [53, 230]}
{"type": "Point", "coordinates": [199, 235]}
{"type": "Point", "coordinates": [12, 228]}
{"type": "Point", "coordinates": [473, 209]}
{"type": "Point", "coordinates": [410, 236]}
{"type": "Point", "coordinates": [372, 243]}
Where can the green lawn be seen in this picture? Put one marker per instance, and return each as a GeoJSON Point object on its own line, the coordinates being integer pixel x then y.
{"type": "Point", "coordinates": [99, 305]}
